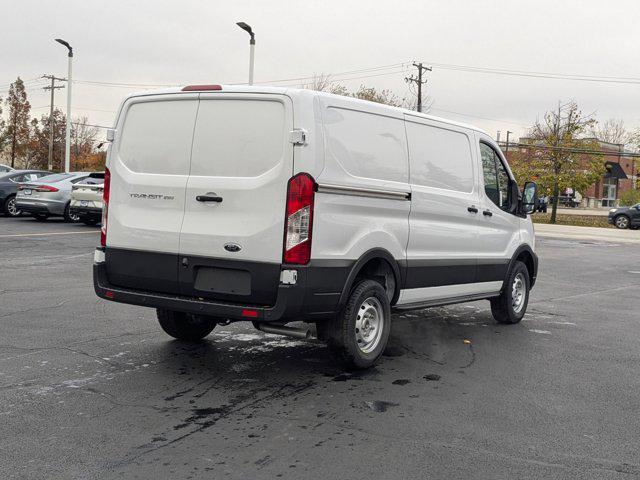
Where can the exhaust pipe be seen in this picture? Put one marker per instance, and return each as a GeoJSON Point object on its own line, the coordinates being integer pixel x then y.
{"type": "Point", "coordinates": [301, 333]}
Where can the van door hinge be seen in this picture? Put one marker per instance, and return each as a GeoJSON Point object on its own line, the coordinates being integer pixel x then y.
{"type": "Point", "coordinates": [298, 137]}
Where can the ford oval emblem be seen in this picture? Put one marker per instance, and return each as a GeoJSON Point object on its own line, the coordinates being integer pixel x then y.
{"type": "Point", "coordinates": [232, 247]}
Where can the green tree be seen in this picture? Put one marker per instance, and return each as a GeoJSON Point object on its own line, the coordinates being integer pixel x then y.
{"type": "Point", "coordinates": [18, 129]}
{"type": "Point", "coordinates": [552, 160]}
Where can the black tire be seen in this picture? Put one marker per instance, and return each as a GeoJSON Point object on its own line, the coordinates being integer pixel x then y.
{"type": "Point", "coordinates": [68, 216]}
{"type": "Point", "coordinates": [41, 217]}
{"type": "Point", "coordinates": [504, 308]}
{"type": "Point", "coordinates": [345, 339]}
{"type": "Point", "coordinates": [185, 326]}
{"type": "Point", "coordinates": [9, 207]}
{"type": "Point", "coordinates": [621, 222]}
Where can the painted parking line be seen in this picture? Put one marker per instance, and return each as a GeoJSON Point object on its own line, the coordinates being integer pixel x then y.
{"type": "Point", "coordinates": [46, 234]}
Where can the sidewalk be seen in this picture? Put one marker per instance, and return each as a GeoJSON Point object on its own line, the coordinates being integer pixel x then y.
{"type": "Point", "coordinates": [611, 235]}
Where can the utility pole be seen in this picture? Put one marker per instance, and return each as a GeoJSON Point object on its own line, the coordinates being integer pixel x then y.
{"type": "Point", "coordinates": [67, 136]}
{"type": "Point", "coordinates": [53, 88]}
{"type": "Point", "coordinates": [418, 81]}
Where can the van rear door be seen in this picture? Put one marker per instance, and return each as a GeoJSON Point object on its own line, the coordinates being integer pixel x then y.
{"type": "Point", "coordinates": [233, 228]}
{"type": "Point", "coordinates": [149, 165]}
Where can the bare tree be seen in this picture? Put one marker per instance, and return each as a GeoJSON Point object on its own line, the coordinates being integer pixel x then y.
{"type": "Point", "coordinates": [83, 137]}
{"type": "Point", "coordinates": [323, 83]}
{"type": "Point", "coordinates": [611, 131]}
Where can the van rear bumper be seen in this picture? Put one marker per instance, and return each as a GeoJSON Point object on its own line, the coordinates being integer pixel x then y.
{"type": "Point", "coordinates": [315, 296]}
{"type": "Point", "coordinates": [288, 305]}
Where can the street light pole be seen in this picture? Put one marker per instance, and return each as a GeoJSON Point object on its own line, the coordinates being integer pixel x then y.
{"type": "Point", "coordinates": [252, 46]}
{"type": "Point", "coordinates": [67, 145]}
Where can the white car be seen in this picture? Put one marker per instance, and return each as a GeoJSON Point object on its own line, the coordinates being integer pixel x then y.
{"type": "Point", "coordinates": [273, 205]}
{"type": "Point", "coordinates": [86, 199]}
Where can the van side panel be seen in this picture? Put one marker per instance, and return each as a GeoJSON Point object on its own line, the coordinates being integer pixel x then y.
{"type": "Point", "coordinates": [363, 195]}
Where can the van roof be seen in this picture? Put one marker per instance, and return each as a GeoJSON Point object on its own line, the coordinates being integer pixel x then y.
{"type": "Point", "coordinates": [274, 90]}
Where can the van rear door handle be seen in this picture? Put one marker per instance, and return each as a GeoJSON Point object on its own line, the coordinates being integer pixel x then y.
{"type": "Point", "coordinates": [487, 213]}
{"type": "Point", "coordinates": [472, 209]}
{"type": "Point", "coordinates": [208, 198]}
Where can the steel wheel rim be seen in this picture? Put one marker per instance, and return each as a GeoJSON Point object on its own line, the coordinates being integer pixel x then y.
{"type": "Point", "coordinates": [621, 222]}
{"type": "Point", "coordinates": [74, 217]}
{"type": "Point", "coordinates": [12, 209]}
{"type": "Point", "coordinates": [518, 293]}
{"type": "Point", "coordinates": [369, 324]}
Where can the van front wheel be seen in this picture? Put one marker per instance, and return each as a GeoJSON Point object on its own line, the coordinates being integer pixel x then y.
{"type": "Point", "coordinates": [360, 332]}
{"type": "Point", "coordinates": [185, 326]}
{"type": "Point", "coordinates": [511, 305]}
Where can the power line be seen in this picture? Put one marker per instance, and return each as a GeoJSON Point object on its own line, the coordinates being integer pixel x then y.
{"type": "Point", "coordinates": [480, 117]}
{"type": "Point", "coordinates": [534, 74]}
{"type": "Point", "coordinates": [571, 150]}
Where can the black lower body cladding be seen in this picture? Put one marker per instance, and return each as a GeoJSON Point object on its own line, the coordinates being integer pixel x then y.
{"type": "Point", "coordinates": [225, 288]}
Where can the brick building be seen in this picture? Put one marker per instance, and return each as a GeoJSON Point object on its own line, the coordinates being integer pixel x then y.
{"type": "Point", "coordinates": [621, 175]}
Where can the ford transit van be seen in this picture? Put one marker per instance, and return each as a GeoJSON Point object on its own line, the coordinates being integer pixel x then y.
{"type": "Point", "coordinates": [275, 205]}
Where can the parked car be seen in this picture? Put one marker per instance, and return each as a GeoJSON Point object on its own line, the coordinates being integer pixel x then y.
{"type": "Point", "coordinates": [543, 204]}
{"type": "Point", "coordinates": [5, 168]}
{"type": "Point", "coordinates": [86, 199]}
{"type": "Point", "coordinates": [223, 205]}
{"type": "Point", "coordinates": [49, 196]}
{"type": "Point", "coordinates": [9, 187]}
{"type": "Point", "coordinates": [625, 217]}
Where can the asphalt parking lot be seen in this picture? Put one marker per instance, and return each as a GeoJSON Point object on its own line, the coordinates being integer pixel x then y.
{"type": "Point", "coordinates": [91, 389]}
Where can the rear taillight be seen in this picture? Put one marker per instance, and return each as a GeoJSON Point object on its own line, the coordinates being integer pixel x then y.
{"type": "Point", "coordinates": [45, 188]}
{"type": "Point", "coordinates": [105, 207]}
{"type": "Point", "coordinates": [299, 219]}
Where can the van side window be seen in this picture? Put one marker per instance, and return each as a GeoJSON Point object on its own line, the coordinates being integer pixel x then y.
{"type": "Point", "coordinates": [367, 145]}
{"type": "Point", "coordinates": [496, 178]}
{"type": "Point", "coordinates": [440, 158]}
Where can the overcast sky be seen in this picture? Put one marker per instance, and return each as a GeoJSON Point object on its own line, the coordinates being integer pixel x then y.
{"type": "Point", "coordinates": [188, 41]}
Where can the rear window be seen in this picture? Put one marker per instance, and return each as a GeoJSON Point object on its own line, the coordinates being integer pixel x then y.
{"type": "Point", "coordinates": [56, 177]}
{"type": "Point", "coordinates": [91, 181]}
{"type": "Point", "coordinates": [156, 136]}
{"type": "Point", "coordinates": [238, 138]}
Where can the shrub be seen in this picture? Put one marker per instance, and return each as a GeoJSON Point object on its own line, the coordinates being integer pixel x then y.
{"type": "Point", "coordinates": [630, 197]}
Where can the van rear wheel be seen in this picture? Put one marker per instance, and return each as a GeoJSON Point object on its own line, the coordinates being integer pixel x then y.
{"type": "Point", "coordinates": [511, 305]}
{"type": "Point", "coordinates": [359, 334]}
{"type": "Point", "coordinates": [185, 326]}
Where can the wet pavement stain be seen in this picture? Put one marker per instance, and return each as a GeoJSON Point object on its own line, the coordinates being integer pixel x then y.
{"type": "Point", "coordinates": [432, 377]}
{"type": "Point", "coordinates": [380, 405]}
{"type": "Point", "coordinates": [401, 381]}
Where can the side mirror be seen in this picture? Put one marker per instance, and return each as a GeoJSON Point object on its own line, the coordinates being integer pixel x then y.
{"type": "Point", "coordinates": [530, 197]}
{"type": "Point", "coordinates": [111, 134]}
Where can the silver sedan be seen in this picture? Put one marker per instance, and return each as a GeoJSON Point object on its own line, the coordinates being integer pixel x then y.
{"type": "Point", "coordinates": [49, 196]}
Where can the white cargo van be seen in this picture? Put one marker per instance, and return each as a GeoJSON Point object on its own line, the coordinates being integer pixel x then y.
{"type": "Point", "coordinates": [276, 205]}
